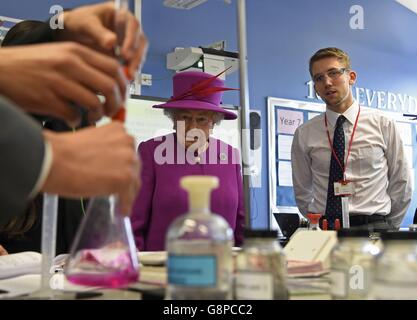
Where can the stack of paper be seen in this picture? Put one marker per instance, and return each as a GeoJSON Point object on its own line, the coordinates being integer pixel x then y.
{"type": "Point", "coordinates": [153, 267]}
{"type": "Point", "coordinates": [296, 268]}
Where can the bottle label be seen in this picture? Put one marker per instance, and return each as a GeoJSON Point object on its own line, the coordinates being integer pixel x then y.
{"type": "Point", "coordinates": [254, 286]}
{"type": "Point", "coordinates": [338, 283]}
{"type": "Point", "coordinates": [195, 271]}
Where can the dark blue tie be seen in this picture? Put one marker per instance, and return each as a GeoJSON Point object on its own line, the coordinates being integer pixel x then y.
{"type": "Point", "coordinates": [334, 204]}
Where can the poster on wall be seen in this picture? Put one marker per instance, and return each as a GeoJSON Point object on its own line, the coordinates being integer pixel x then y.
{"type": "Point", "coordinates": [5, 24]}
{"type": "Point", "coordinates": [284, 117]}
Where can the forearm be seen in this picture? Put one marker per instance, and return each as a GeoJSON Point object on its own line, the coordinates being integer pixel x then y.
{"type": "Point", "coordinates": [400, 193]}
{"type": "Point", "coordinates": [61, 168]}
{"type": "Point", "coordinates": [399, 186]}
{"type": "Point", "coordinates": [395, 218]}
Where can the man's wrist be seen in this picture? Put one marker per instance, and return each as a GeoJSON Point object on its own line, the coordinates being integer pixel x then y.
{"type": "Point", "coordinates": [57, 26]}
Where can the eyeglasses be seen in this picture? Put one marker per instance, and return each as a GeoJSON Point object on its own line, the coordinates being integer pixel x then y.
{"type": "Point", "coordinates": [200, 120]}
{"type": "Point", "coordinates": [332, 74]}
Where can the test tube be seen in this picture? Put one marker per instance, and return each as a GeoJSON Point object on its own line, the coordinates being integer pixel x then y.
{"type": "Point", "coordinates": [49, 221]}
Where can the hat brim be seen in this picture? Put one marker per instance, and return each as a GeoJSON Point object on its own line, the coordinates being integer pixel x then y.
{"type": "Point", "coordinates": [196, 105]}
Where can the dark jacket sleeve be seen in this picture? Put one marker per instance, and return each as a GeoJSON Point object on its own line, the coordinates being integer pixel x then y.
{"type": "Point", "coordinates": [22, 150]}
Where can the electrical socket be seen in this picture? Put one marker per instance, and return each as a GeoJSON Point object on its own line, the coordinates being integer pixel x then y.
{"type": "Point", "coordinates": [146, 79]}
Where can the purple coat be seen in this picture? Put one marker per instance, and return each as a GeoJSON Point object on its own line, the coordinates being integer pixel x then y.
{"type": "Point", "coordinates": [161, 199]}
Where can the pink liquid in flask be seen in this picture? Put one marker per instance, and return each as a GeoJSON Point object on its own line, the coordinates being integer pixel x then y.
{"type": "Point", "coordinates": [116, 279]}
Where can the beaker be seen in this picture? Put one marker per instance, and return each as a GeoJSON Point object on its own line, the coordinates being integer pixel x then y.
{"type": "Point", "coordinates": [103, 253]}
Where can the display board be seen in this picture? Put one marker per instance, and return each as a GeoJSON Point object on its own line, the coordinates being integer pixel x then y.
{"type": "Point", "coordinates": [284, 116]}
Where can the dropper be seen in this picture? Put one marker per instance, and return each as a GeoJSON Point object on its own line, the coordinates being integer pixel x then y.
{"type": "Point", "coordinates": [199, 190]}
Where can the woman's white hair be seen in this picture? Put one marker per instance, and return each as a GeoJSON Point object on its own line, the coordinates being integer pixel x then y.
{"type": "Point", "coordinates": [217, 116]}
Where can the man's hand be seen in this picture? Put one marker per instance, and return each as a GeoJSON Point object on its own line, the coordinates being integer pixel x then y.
{"type": "Point", "coordinates": [94, 162]}
{"type": "Point", "coordinates": [49, 79]}
{"type": "Point", "coordinates": [94, 26]}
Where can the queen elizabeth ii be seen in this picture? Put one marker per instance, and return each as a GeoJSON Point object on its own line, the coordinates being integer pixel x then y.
{"type": "Point", "coordinates": [195, 108]}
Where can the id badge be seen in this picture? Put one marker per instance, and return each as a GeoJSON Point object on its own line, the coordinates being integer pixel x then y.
{"type": "Point", "coordinates": [343, 188]}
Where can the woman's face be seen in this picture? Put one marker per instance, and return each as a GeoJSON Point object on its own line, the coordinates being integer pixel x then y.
{"type": "Point", "coordinates": [193, 126]}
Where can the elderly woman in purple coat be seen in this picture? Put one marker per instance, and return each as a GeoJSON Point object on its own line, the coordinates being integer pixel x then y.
{"type": "Point", "coordinates": [194, 109]}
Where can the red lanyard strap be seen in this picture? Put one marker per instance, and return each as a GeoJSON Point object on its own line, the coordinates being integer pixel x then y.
{"type": "Point", "coordinates": [343, 167]}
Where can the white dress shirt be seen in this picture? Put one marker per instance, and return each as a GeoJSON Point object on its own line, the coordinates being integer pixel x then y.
{"type": "Point", "coordinates": [377, 165]}
{"type": "Point", "coordinates": [46, 168]}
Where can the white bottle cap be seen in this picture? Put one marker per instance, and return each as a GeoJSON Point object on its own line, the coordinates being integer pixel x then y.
{"type": "Point", "coordinates": [199, 190]}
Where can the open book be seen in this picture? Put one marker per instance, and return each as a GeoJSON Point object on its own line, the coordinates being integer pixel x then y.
{"type": "Point", "coordinates": [27, 262]}
{"type": "Point", "coordinates": [153, 268]}
{"type": "Point", "coordinates": [17, 264]}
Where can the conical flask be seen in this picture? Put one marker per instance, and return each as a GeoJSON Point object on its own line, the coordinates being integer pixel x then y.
{"type": "Point", "coordinates": [103, 253]}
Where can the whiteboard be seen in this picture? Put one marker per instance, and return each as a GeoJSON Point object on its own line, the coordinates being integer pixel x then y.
{"type": "Point", "coordinates": [144, 122]}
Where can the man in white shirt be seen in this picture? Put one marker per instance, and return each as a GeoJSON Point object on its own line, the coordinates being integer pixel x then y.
{"type": "Point", "coordinates": [366, 181]}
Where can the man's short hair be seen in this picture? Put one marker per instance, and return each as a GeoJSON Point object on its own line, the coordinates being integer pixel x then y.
{"type": "Point", "coordinates": [337, 53]}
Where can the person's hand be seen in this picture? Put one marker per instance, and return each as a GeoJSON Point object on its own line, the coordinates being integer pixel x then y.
{"type": "Point", "coordinates": [49, 79]}
{"type": "Point", "coordinates": [94, 162]}
{"type": "Point", "coordinates": [3, 251]}
{"type": "Point", "coordinates": [95, 25]}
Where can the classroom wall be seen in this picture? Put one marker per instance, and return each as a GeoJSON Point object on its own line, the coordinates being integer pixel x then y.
{"type": "Point", "coordinates": [281, 36]}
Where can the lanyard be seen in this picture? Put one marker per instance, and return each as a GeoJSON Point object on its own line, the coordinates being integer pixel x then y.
{"type": "Point", "coordinates": [350, 142]}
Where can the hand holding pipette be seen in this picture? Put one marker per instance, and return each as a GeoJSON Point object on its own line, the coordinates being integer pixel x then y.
{"type": "Point", "coordinates": [95, 26]}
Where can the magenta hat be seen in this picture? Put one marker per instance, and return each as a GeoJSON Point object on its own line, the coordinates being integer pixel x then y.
{"type": "Point", "coordinates": [197, 90]}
